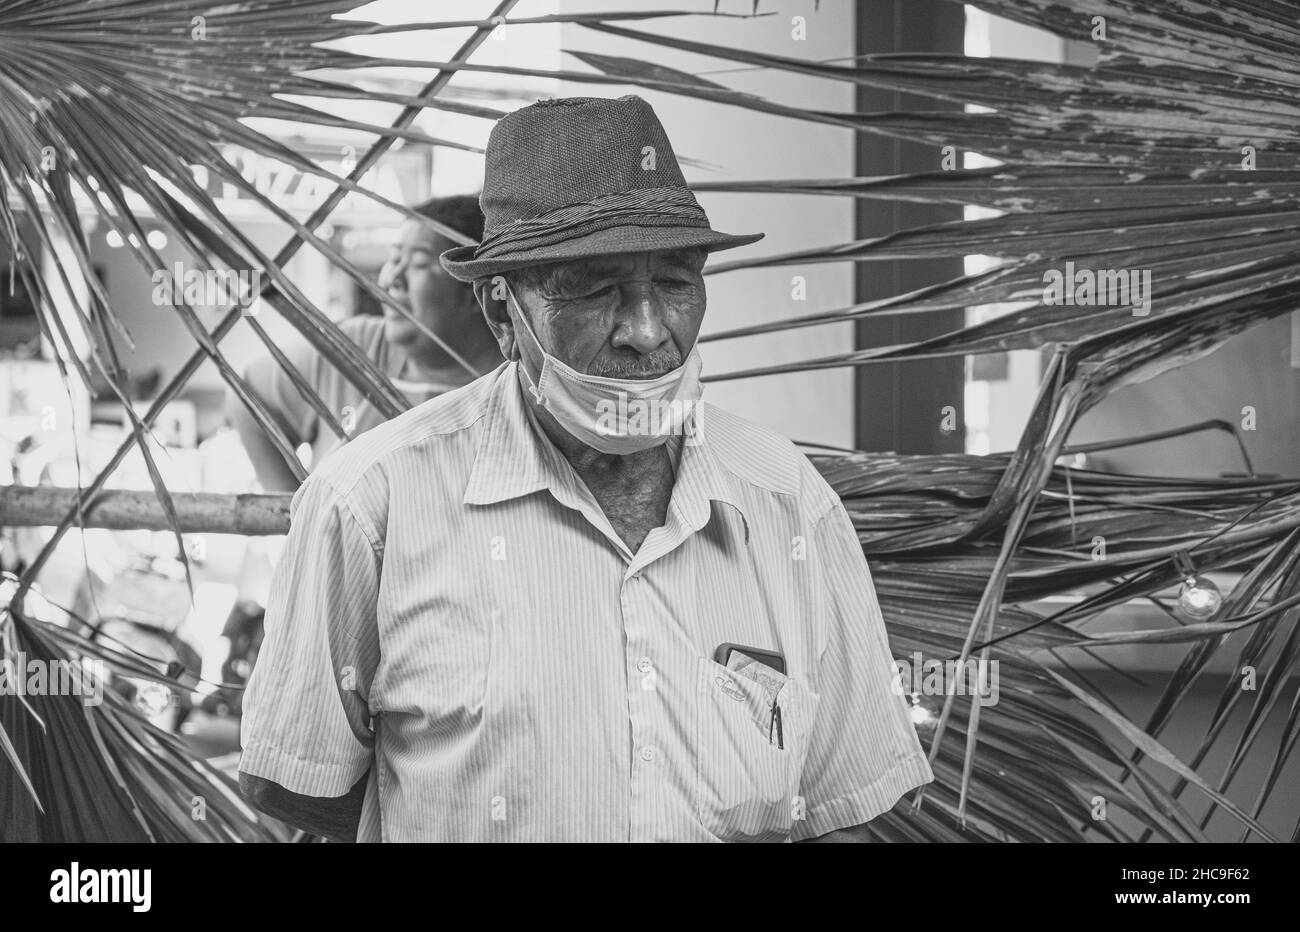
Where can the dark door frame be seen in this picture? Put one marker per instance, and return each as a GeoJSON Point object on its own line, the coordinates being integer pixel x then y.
{"type": "Point", "coordinates": [899, 406]}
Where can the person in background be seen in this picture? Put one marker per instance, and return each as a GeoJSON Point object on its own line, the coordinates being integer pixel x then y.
{"type": "Point", "coordinates": [416, 365]}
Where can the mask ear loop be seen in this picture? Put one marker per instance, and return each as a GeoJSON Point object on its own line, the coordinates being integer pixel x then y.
{"type": "Point", "coordinates": [533, 387]}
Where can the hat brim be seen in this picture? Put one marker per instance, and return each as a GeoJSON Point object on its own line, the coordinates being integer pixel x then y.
{"type": "Point", "coordinates": [460, 262]}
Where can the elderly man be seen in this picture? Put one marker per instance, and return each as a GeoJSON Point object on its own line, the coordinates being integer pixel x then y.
{"type": "Point", "coordinates": [569, 601]}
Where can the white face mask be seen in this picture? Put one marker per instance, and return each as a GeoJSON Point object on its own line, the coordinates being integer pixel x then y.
{"type": "Point", "coordinates": [617, 416]}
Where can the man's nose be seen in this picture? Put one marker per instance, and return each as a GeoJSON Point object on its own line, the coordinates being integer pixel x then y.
{"type": "Point", "coordinates": [641, 324]}
{"type": "Point", "coordinates": [392, 276]}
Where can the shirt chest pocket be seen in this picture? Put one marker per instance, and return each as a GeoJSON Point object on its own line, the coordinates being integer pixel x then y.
{"type": "Point", "coordinates": [750, 748]}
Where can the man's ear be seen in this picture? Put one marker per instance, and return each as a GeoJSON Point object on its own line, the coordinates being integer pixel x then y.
{"type": "Point", "coordinates": [491, 295]}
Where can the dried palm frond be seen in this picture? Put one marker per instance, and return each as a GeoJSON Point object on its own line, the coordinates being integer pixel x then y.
{"type": "Point", "coordinates": [87, 767]}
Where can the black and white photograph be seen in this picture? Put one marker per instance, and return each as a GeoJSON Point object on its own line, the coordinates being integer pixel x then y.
{"type": "Point", "coordinates": [538, 421]}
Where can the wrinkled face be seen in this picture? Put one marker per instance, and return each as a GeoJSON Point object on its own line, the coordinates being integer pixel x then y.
{"type": "Point", "coordinates": [631, 316]}
{"type": "Point", "coordinates": [415, 279]}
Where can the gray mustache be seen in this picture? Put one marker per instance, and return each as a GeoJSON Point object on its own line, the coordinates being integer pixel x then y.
{"type": "Point", "coordinates": [645, 367]}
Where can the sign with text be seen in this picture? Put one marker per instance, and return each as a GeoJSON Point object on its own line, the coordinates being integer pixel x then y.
{"type": "Point", "coordinates": [401, 176]}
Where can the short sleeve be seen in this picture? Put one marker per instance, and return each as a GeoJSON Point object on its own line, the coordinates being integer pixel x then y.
{"type": "Point", "coordinates": [272, 385]}
{"type": "Point", "coordinates": [307, 709]}
{"type": "Point", "coordinates": [864, 753]}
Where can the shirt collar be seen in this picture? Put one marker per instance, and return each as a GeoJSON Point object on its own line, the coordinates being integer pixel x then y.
{"type": "Point", "coordinates": [701, 480]}
{"type": "Point", "coordinates": [511, 460]}
{"type": "Point", "coordinates": [515, 458]}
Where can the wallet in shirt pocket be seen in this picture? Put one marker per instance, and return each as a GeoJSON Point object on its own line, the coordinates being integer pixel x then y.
{"type": "Point", "coordinates": [749, 757]}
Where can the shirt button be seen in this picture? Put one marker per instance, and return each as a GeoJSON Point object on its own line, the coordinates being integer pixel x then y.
{"type": "Point", "coordinates": [648, 754]}
{"type": "Point", "coordinates": [645, 665]}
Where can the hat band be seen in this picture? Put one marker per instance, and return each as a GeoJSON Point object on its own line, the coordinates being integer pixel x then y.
{"type": "Point", "coordinates": [643, 206]}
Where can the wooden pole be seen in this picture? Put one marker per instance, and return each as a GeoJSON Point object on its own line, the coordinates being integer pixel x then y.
{"type": "Point", "coordinates": [196, 512]}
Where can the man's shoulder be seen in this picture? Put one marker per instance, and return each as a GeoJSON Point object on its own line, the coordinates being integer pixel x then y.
{"type": "Point", "coordinates": [759, 456]}
{"type": "Point", "coordinates": [444, 426]}
{"type": "Point", "coordinates": [365, 330]}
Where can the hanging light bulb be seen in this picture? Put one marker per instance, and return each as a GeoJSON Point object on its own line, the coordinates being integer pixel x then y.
{"type": "Point", "coordinates": [1198, 597]}
{"type": "Point", "coordinates": [923, 718]}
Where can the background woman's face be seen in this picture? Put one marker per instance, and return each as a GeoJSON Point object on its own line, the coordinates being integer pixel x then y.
{"type": "Point", "coordinates": [415, 278]}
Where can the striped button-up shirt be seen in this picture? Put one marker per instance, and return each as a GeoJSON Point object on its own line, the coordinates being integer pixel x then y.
{"type": "Point", "coordinates": [454, 615]}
